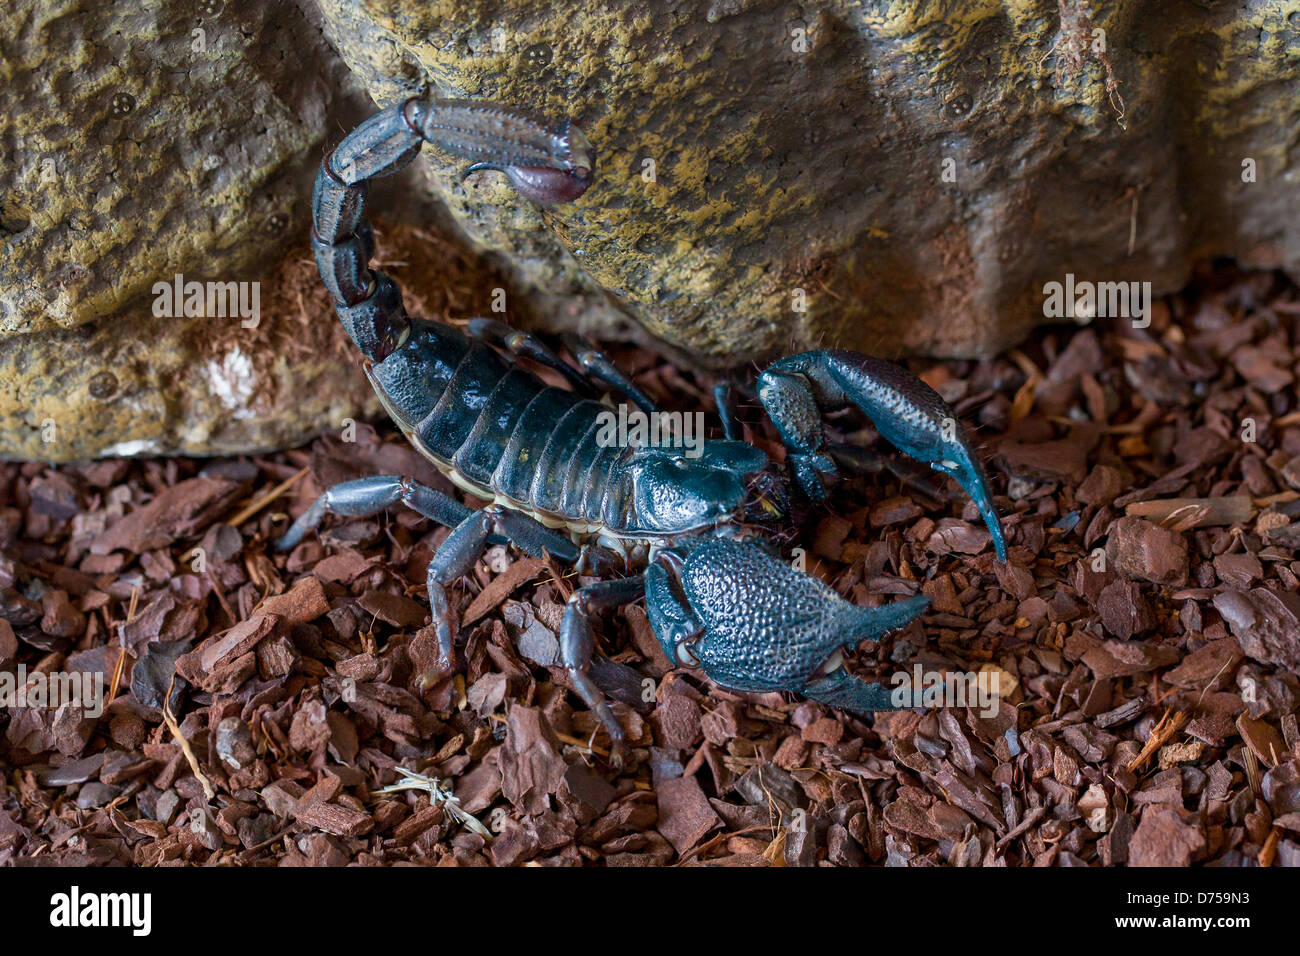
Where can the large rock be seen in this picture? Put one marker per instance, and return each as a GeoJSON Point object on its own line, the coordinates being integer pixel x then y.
{"type": "Point", "coordinates": [886, 176]}
{"type": "Point", "coordinates": [799, 154]}
{"type": "Point", "coordinates": [138, 142]}
{"type": "Point", "coordinates": [145, 140]}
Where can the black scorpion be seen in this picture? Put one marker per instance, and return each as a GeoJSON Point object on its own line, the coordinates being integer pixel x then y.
{"type": "Point", "coordinates": [691, 533]}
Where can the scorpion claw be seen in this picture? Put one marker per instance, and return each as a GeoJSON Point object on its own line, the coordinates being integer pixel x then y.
{"type": "Point", "coordinates": [755, 623]}
{"type": "Point", "coordinates": [843, 690]}
{"type": "Point", "coordinates": [808, 471]}
{"type": "Point", "coordinates": [908, 414]}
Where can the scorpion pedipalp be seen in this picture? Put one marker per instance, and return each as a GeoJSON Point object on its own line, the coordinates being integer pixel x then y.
{"type": "Point", "coordinates": [752, 622]}
{"type": "Point", "coordinates": [909, 414]}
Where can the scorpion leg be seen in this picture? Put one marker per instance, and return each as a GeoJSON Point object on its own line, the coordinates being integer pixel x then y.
{"type": "Point", "coordinates": [368, 496]}
{"type": "Point", "coordinates": [908, 414]}
{"type": "Point", "coordinates": [473, 532]}
{"type": "Point", "coordinates": [594, 363]}
{"type": "Point", "coordinates": [598, 366]}
{"type": "Point", "coordinates": [528, 346]}
{"type": "Point", "coordinates": [578, 643]}
{"type": "Point", "coordinates": [457, 555]}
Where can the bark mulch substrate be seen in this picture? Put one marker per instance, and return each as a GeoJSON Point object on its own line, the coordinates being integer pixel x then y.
{"type": "Point", "coordinates": [1145, 633]}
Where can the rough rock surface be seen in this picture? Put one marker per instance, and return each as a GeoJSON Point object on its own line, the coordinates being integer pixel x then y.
{"type": "Point", "coordinates": [799, 154]}
{"type": "Point", "coordinates": [138, 143]}
{"type": "Point", "coordinates": [770, 178]}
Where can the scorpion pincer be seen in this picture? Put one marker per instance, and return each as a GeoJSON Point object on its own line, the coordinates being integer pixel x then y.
{"type": "Point", "coordinates": [693, 535]}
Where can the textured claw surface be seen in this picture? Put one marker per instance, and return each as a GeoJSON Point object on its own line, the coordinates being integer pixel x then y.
{"type": "Point", "coordinates": [848, 692]}
{"type": "Point", "coordinates": [768, 626]}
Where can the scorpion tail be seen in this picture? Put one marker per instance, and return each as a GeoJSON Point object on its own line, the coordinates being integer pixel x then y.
{"type": "Point", "coordinates": [469, 171]}
{"type": "Point", "coordinates": [546, 162]}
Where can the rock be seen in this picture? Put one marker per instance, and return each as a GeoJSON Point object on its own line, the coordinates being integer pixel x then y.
{"type": "Point", "coordinates": [235, 743]}
{"type": "Point", "coordinates": [113, 185]}
{"type": "Point", "coordinates": [1146, 551]}
{"type": "Point", "coordinates": [1165, 838]}
{"type": "Point", "coordinates": [141, 144]}
{"type": "Point", "coordinates": [1266, 624]}
{"type": "Point", "coordinates": [76, 771]}
{"type": "Point", "coordinates": [740, 208]}
{"type": "Point", "coordinates": [96, 794]}
{"type": "Point", "coordinates": [766, 189]}
{"type": "Point", "coordinates": [309, 730]}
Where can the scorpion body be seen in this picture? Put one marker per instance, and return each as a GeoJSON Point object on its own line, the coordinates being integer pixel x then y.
{"type": "Point", "coordinates": [499, 432]}
{"type": "Point", "coordinates": [688, 532]}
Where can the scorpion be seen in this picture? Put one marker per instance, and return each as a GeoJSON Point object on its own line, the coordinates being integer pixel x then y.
{"type": "Point", "coordinates": [693, 535]}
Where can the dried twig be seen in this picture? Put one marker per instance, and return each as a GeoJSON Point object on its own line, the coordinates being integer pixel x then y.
{"type": "Point", "coordinates": [439, 796]}
{"type": "Point", "coordinates": [257, 504]}
{"type": "Point", "coordinates": [208, 790]}
{"type": "Point", "coordinates": [121, 637]}
{"type": "Point", "coordinates": [1161, 733]}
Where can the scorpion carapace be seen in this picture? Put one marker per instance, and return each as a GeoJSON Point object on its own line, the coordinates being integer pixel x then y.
{"type": "Point", "coordinates": [692, 534]}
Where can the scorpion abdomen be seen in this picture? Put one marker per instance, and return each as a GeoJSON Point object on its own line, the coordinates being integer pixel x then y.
{"type": "Point", "coordinates": [496, 430]}
{"type": "Point", "coordinates": [481, 452]}
{"type": "Point", "coordinates": [518, 463]}
{"type": "Point", "coordinates": [559, 452]}
{"type": "Point", "coordinates": [412, 379]}
{"type": "Point", "coordinates": [446, 429]}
